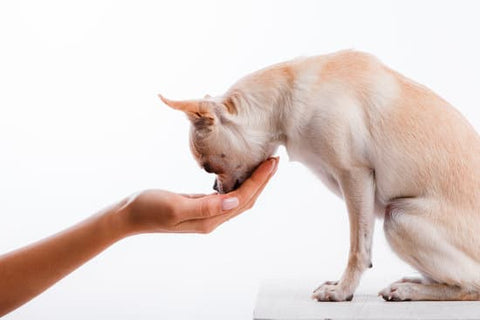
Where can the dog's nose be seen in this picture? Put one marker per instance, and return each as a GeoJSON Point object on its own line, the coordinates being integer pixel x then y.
{"type": "Point", "coordinates": [215, 186]}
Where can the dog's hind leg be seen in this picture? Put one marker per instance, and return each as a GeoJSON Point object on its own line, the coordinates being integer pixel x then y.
{"type": "Point", "coordinates": [417, 237]}
{"type": "Point", "coordinates": [407, 291]}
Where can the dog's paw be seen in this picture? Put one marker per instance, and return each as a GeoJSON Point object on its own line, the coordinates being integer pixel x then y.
{"type": "Point", "coordinates": [332, 291]}
{"type": "Point", "coordinates": [399, 291]}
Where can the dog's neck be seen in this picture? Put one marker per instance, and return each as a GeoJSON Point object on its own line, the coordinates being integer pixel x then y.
{"type": "Point", "coordinates": [265, 109]}
{"type": "Point", "coordinates": [269, 111]}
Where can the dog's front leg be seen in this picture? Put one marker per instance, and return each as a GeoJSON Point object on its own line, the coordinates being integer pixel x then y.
{"type": "Point", "coordinates": [358, 189]}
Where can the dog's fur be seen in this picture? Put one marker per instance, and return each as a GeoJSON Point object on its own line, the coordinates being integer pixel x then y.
{"type": "Point", "coordinates": [388, 146]}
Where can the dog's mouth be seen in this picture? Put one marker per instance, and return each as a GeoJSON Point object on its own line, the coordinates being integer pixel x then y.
{"type": "Point", "coordinates": [215, 185]}
{"type": "Point", "coordinates": [222, 188]}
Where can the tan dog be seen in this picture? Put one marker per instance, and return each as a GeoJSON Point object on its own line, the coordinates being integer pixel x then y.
{"type": "Point", "coordinates": [388, 146]}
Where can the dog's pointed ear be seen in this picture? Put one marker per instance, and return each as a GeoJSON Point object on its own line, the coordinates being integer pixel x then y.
{"type": "Point", "coordinates": [191, 107]}
{"type": "Point", "coordinates": [188, 106]}
{"type": "Point", "coordinates": [198, 111]}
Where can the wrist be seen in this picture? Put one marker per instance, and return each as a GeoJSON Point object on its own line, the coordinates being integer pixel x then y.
{"type": "Point", "coordinates": [117, 222]}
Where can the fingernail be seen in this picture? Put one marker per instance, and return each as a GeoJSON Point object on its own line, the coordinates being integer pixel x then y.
{"type": "Point", "coordinates": [273, 164]}
{"type": "Point", "coordinates": [230, 203]}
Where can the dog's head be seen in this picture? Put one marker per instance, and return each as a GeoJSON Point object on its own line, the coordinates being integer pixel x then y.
{"type": "Point", "coordinates": [222, 141]}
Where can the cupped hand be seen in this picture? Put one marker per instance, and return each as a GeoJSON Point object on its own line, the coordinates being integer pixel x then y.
{"type": "Point", "coordinates": [164, 211]}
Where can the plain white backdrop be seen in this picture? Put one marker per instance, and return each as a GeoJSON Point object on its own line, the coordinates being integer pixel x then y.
{"type": "Point", "coordinates": [81, 127]}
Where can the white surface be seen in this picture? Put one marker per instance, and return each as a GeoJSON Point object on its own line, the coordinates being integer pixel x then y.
{"type": "Point", "coordinates": [81, 127]}
{"type": "Point", "coordinates": [291, 301]}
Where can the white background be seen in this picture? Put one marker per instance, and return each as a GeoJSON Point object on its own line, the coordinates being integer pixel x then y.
{"type": "Point", "coordinates": [81, 127]}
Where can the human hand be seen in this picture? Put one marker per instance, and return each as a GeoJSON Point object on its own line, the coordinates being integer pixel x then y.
{"type": "Point", "coordinates": [28, 271]}
{"type": "Point", "coordinates": [164, 211]}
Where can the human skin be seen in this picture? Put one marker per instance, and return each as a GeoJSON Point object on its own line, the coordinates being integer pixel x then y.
{"type": "Point", "coordinates": [28, 271]}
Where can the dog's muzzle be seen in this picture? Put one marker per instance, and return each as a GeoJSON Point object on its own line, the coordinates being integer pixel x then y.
{"type": "Point", "coordinates": [218, 186]}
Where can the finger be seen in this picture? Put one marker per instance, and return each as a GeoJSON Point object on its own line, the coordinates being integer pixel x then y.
{"type": "Point", "coordinates": [193, 195]}
{"type": "Point", "coordinates": [202, 225]}
{"type": "Point", "coordinates": [254, 197]}
{"type": "Point", "coordinates": [256, 182]}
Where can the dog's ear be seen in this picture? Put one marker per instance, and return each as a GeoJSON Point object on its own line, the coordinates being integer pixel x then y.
{"type": "Point", "coordinates": [198, 111]}
{"type": "Point", "coordinates": [230, 103]}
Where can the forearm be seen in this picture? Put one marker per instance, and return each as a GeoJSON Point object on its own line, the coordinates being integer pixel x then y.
{"type": "Point", "coordinates": [28, 271]}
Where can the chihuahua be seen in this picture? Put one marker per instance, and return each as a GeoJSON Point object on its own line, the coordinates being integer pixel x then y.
{"type": "Point", "coordinates": [388, 146]}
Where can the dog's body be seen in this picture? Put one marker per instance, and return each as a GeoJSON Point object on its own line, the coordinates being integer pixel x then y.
{"type": "Point", "coordinates": [388, 146]}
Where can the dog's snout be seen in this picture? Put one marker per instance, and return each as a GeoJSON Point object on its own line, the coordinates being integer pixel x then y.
{"type": "Point", "coordinates": [215, 186]}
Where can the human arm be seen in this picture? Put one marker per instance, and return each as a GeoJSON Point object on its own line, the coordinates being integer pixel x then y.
{"type": "Point", "coordinates": [28, 271]}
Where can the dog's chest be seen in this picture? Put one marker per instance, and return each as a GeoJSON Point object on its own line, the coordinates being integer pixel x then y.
{"type": "Point", "coordinates": [303, 153]}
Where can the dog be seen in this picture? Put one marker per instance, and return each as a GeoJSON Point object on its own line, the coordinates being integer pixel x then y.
{"type": "Point", "coordinates": [388, 146]}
